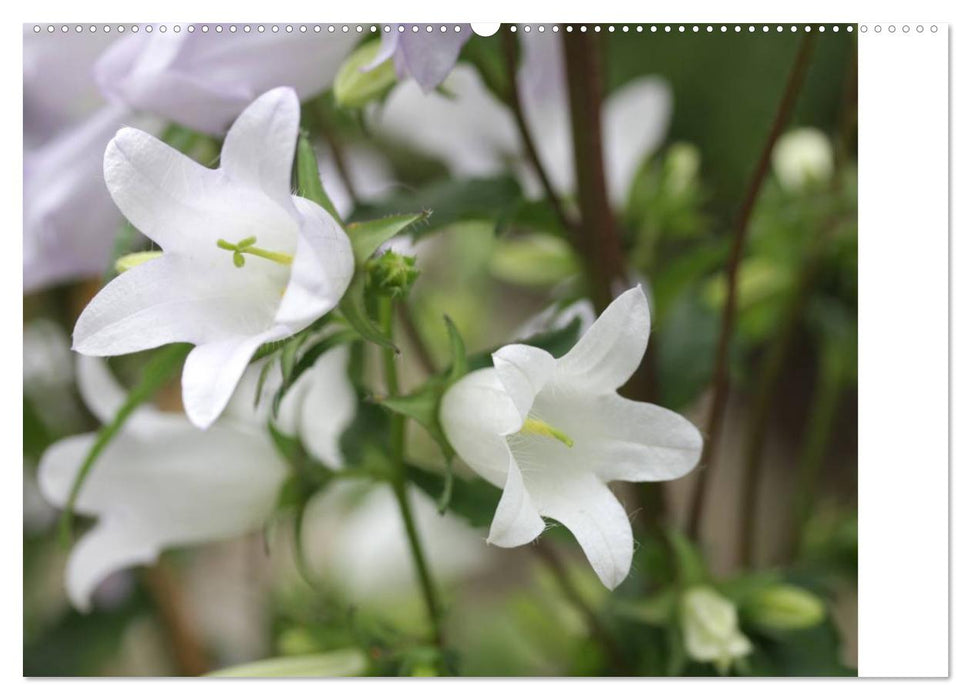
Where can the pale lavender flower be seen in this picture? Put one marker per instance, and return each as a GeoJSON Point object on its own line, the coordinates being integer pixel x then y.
{"type": "Point", "coordinates": [428, 57]}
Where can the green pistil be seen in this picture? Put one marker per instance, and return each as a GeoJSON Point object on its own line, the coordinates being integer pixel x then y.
{"type": "Point", "coordinates": [534, 426]}
{"type": "Point", "coordinates": [247, 247]}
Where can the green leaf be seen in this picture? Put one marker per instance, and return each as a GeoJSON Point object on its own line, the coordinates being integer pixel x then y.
{"type": "Point", "coordinates": [355, 87]}
{"type": "Point", "coordinates": [309, 185]}
{"type": "Point", "coordinates": [367, 236]}
{"type": "Point", "coordinates": [162, 367]}
{"type": "Point", "coordinates": [294, 368]}
{"type": "Point", "coordinates": [450, 201]}
{"type": "Point", "coordinates": [657, 611]}
{"type": "Point", "coordinates": [343, 662]}
{"type": "Point", "coordinates": [460, 365]}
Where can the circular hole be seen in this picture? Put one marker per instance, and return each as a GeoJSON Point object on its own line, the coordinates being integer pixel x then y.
{"type": "Point", "coordinates": [934, 28]}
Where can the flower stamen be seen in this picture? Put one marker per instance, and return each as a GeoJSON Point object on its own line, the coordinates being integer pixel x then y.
{"type": "Point", "coordinates": [534, 426]}
{"type": "Point", "coordinates": [247, 247]}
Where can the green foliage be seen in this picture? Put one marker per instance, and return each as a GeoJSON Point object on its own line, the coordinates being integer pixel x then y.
{"type": "Point", "coordinates": [309, 185]}
{"type": "Point", "coordinates": [391, 274]}
{"type": "Point", "coordinates": [345, 662]}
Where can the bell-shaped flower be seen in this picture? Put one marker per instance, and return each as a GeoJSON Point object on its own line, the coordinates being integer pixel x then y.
{"type": "Point", "coordinates": [161, 482]}
{"type": "Point", "coordinates": [475, 135]}
{"type": "Point", "coordinates": [551, 432]}
{"type": "Point", "coordinates": [243, 261]}
{"type": "Point", "coordinates": [709, 622]}
{"type": "Point", "coordinates": [204, 80]}
{"type": "Point", "coordinates": [428, 57]}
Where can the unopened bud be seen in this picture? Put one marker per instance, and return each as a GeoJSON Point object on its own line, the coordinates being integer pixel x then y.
{"type": "Point", "coordinates": [391, 274]}
{"type": "Point", "coordinates": [785, 607]}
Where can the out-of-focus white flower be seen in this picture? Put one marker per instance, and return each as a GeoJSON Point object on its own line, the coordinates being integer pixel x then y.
{"type": "Point", "coordinates": [552, 432]}
{"type": "Point", "coordinates": [161, 482]}
{"type": "Point", "coordinates": [244, 262]}
{"type": "Point", "coordinates": [802, 157]}
{"type": "Point", "coordinates": [70, 223]}
{"type": "Point", "coordinates": [205, 80]}
{"type": "Point", "coordinates": [709, 622]}
{"type": "Point", "coordinates": [428, 57]}
{"type": "Point", "coordinates": [354, 537]}
{"type": "Point", "coordinates": [368, 172]}
{"type": "Point", "coordinates": [475, 135]}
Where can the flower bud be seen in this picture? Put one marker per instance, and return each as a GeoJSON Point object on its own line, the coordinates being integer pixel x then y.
{"type": "Point", "coordinates": [785, 607]}
{"type": "Point", "coordinates": [391, 274]}
{"type": "Point", "coordinates": [357, 83]}
{"type": "Point", "coordinates": [802, 158]}
{"type": "Point", "coordinates": [709, 623]}
{"type": "Point", "coordinates": [682, 165]}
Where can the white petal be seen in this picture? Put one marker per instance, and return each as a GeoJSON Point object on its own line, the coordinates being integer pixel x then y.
{"type": "Point", "coordinates": [611, 351]}
{"type": "Point", "coordinates": [516, 522]}
{"type": "Point", "coordinates": [322, 267]}
{"type": "Point", "coordinates": [639, 441]}
{"type": "Point", "coordinates": [321, 406]}
{"type": "Point", "coordinates": [152, 492]}
{"type": "Point", "coordinates": [258, 150]}
{"type": "Point", "coordinates": [588, 509]}
{"type": "Point", "coordinates": [523, 371]}
{"type": "Point", "coordinates": [636, 119]}
{"type": "Point", "coordinates": [213, 370]}
{"type": "Point", "coordinates": [475, 413]}
{"type": "Point", "coordinates": [166, 300]}
{"type": "Point", "coordinates": [163, 193]}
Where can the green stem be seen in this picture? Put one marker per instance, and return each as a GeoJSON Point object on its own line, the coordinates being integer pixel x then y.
{"type": "Point", "coordinates": [398, 482]}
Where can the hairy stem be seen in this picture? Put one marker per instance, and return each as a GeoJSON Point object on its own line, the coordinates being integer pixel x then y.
{"type": "Point", "coordinates": [720, 383]}
{"type": "Point", "coordinates": [399, 485]}
{"type": "Point", "coordinates": [511, 55]}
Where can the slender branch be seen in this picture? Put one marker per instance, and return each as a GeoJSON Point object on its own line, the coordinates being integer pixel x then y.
{"type": "Point", "coordinates": [185, 646]}
{"type": "Point", "coordinates": [399, 486]}
{"type": "Point", "coordinates": [551, 558]}
{"type": "Point", "coordinates": [598, 239]}
{"type": "Point", "coordinates": [511, 55]}
{"type": "Point", "coordinates": [720, 380]}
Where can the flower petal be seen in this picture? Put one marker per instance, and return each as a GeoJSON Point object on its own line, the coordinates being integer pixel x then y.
{"type": "Point", "coordinates": [258, 150]}
{"type": "Point", "coordinates": [611, 351]}
{"type": "Point", "coordinates": [213, 370]}
{"type": "Point", "coordinates": [523, 371]}
{"type": "Point", "coordinates": [636, 119]}
{"type": "Point", "coordinates": [516, 522]}
{"type": "Point", "coordinates": [152, 492]}
{"type": "Point", "coordinates": [642, 442]}
{"type": "Point", "coordinates": [588, 509]}
{"type": "Point", "coordinates": [475, 412]}
{"type": "Point", "coordinates": [163, 193]}
{"type": "Point", "coordinates": [166, 300]}
{"type": "Point", "coordinates": [429, 58]}
{"type": "Point", "coordinates": [323, 266]}
{"type": "Point", "coordinates": [321, 406]}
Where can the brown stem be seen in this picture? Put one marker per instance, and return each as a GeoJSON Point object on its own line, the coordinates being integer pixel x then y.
{"type": "Point", "coordinates": [720, 381]}
{"type": "Point", "coordinates": [598, 239]}
{"type": "Point", "coordinates": [551, 558]}
{"type": "Point", "coordinates": [511, 54]}
{"type": "Point", "coordinates": [186, 647]}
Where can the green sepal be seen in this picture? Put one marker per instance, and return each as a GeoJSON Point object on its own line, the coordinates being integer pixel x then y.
{"type": "Point", "coordinates": [355, 87]}
{"type": "Point", "coordinates": [367, 236]}
{"type": "Point", "coordinates": [162, 367]}
{"type": "Point", "coordinates": [309, 185]}
{"type": "Point", "coordinates": [293, 368]}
